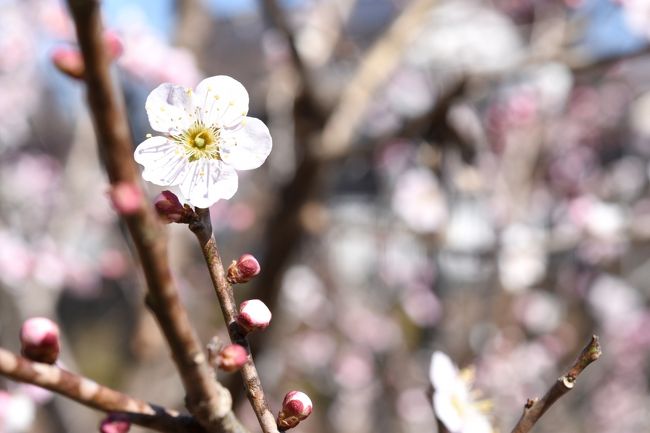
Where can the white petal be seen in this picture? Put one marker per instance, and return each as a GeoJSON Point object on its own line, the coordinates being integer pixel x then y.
{"type": "Point", "coordinates": [248, 146]}
{"type": "Point", "coordinates": [442, 373]}
{"type": "Point", "coordinates": [169, 108]}
{"type": "Point", "coordinates": [447, 412]}
{"type": "Point", "coordinates": [476, 422]}
{"type": "Point", "coordinates": [222, 101]}
{"type": "Point", "coordinates": [164, 163]}
{"type": "Point", "coordinates": [208, 181]}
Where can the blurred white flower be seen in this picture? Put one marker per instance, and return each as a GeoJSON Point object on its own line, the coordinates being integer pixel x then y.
{"type": "Point", "coordinates": [470, 229]}
{"type": "Point", "coordinates": [207, 137]}
{"type": "Point", "coordinates": [419, 201]}
{"type": "Point", "coordinates": [455, 37]}
{"type": "Point", "coordinates": [522, 258]}
{"type": "Point", "coordinates": [637, 16]}
{"type": "Point", "coordinates": [453, 399]}
{"type": "Point", "coordinates": [17, 412]}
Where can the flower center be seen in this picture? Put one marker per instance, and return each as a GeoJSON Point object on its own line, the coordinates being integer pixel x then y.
{"type": "Point", "coordinates": [200, 141]}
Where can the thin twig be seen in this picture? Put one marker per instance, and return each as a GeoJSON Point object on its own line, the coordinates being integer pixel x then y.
{"type": "Point", "coordinates": [206, 399]}
{"type": "Point", "coordinates": [202, 228]}
{"type": "Point", "coordinates": [535, 408]}
{"type": "Point", "coordinates": [91, 394]}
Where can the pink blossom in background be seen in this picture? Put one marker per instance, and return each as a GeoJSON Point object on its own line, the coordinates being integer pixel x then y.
{"type": "Point", "coordinates": [19, 85]}
{"type": "Point", "coordinates": [148, 58]}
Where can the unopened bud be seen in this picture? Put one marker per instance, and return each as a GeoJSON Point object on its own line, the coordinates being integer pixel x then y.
{"type": "Point", "coordinates": [113, 44]}
{"type": "Point", "coordinates": [243, 270]}
{"type": "Point", "coordinates": [69, 61]}
{"type": "Point", "coordinates": [232, 358]}
{"type": "Point", "coordinates": [126, 197]}
{"type": "Point", "coordinates": [114, 423]}
{"type": "Point", "coordinates": [171, 210]}
{"type": "Point", "coordinates": [296, 407]}
{"type": "Point", "coordinates": [254, 315]}
{"type": "Point", "coordinates": [39, 339]}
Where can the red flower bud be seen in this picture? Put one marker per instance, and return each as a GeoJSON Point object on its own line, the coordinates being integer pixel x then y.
{"type": "Point", "coordinates": [69, 61]}
{"type": "Point", "coordinates": [126, 197]}
{"type": "Point", "coordinates": [243, 270]}
{"type": "Point", "coordinates": [39, 338]}
{"type": "Point", "coordinates": [254, 315]}
{"type": "Point", "coordinates": [114, 423]}
{"type": "Point", "coordinates": [232, 357]}
{"type": "Point", "coordinates": [171, 210]}
{"type": "Point", "coordinates": [296, 407]}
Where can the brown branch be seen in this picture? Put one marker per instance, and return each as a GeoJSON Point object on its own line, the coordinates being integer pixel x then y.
{"type": "Point", "coordinates": [91, 394]}
{"type": "Point", "coordinates": [535, 408]}
{"type": "Point", "coordinates": [279, 20]}
{"type": "Point", "coordinates": [375, 68]}
{"type": "Point", "coordinates": [202, 228]}
{"type": "Point", "coordinates": [206, 399]}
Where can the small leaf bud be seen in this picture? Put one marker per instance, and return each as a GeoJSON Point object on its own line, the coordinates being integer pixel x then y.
{"type": "Point", "coordinates": [243, 270]}
{"type": "Point", "coordinates": [254, 315]}
{"type": "Point", "coordinates": [39, 339]}
{"type": "Point", "coordinates": [232, 357]}
{"type": "Point", "coordinates": [296, 407]}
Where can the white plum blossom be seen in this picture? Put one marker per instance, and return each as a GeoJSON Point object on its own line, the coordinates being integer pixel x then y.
{"type": "Point", "coordinates": [453, 400]}
{"type": "Point", "coordinates": [207, 136]}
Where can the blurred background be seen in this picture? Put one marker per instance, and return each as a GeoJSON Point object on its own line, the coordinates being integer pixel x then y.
{"type": "Point", "coordinates": [464, 176]}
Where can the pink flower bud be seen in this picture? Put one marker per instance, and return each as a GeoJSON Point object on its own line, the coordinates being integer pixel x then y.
{"type": "Point", "coordinates": [126, 197]}
{"type": "Point", "coordinates": [232, 357]}
{"type": "Point", "coordinates": [243, 270]}
{"type": "Point", "coordinates": [114, 423]}
{"type": "Point", "coordinates": [170, 209]}
{"type": "Point", "coordinates": [69, 61]}
{"type": "Point", "coordinates": [113, 44]}
{"type": "Point", "coordinates": [296, 407]}
{"type": "Point", "coordinates": [39, 338]}
{"type": "Point", "coordinates": [254, 315]}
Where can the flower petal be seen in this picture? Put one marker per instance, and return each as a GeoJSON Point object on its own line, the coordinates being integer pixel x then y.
{"type": "Point", "coordinates": [443, 373]}
{"type": "Point", "coordinates": [163, 162]}
{"type": "Point", "coordinates": [476, 422]}
{"type": "Point", "coordinates": [169, 108]}
{"type": "Point", "coordinates": [247, 147]}
{"type": "Point", "coordinates": [222, 101]}
{"type": "Point", "coordinates": [208, 181]}
{"type": "Point", "coordinates": [446, 412]}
